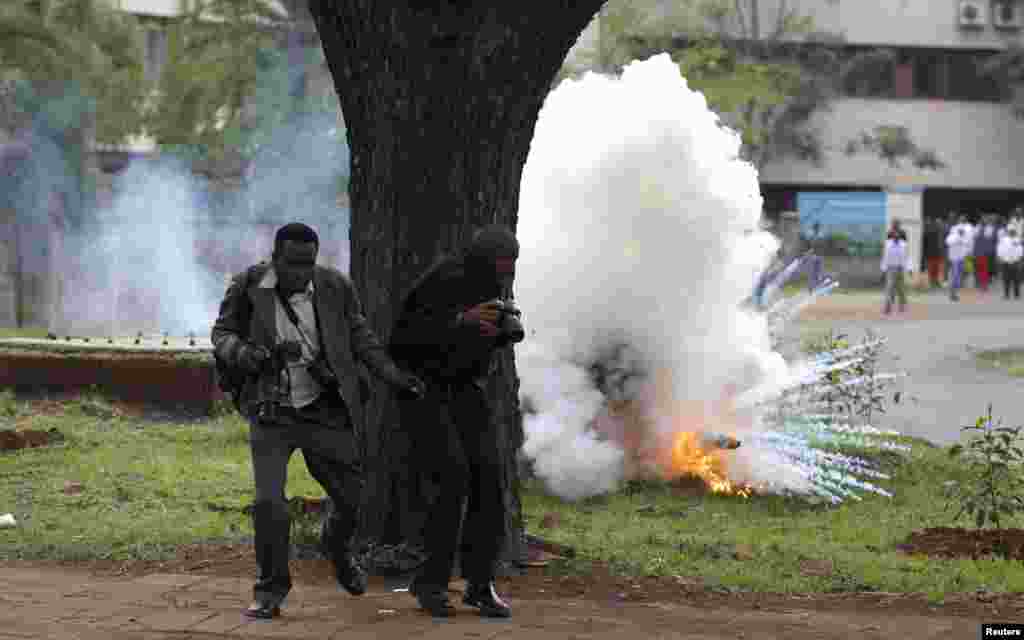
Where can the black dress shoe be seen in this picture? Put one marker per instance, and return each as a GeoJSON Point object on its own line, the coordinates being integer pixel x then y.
{"type": "Point", "coordinates": [486, 599]}
{"type": "Point", "coordinates": [263, 610]}
{"type": "Point", "coordinates": [433, 601]}
{"type": "Point", "coordinates": [351, 577]}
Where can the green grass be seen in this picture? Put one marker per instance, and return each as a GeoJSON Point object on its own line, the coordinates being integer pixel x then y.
{"type": "Point", "coordinates": [22, 333]}
{"type": "Point", "coordinates": [1009, 360]}
{"type": "Point", "coordinates": [147, 487]}
{"type": "Point", "coordinates": [656, 531]}
{"type": "Point", "coordinates": [150, 487]}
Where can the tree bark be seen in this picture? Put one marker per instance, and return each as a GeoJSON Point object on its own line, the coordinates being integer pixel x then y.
{"type": "Point", "coordinates": [440, 100]}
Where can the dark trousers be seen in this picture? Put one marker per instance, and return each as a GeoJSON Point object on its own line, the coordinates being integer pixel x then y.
{"type": "Point", "coordinates": [324, 434]}
{"type": "Point", "coordinates": [1011, 279]}
{"type": "Point", "coordinates": [457, 443]}
{"type": "Point", "coordinates": [981, 274]}
{"type": "Point", "coordinates": [935, 269]}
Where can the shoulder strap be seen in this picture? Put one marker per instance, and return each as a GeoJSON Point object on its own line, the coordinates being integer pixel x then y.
{"type": "Point", "coordinates": [294, 318]}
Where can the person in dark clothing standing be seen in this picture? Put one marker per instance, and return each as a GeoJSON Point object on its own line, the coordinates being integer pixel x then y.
{"type": "Point", "coordinates": [985, 251]}
{"type": "Point", "coordinates": [934, 251]}
{"type": "Point", "coordinates": [295, 331]}
{"type": "Point", "coordinates": [1010, 253]}
{"type": "Point", "coordinates": [448, 329]}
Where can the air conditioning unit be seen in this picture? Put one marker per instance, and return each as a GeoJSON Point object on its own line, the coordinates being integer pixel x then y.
{"type": "Point", "coordinates": [1006, 14]}
{"type": "Point", "coordinates": [973, 14]}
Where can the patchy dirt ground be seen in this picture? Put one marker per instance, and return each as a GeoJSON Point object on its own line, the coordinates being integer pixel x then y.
{"type": "Point", "coordinates": [602, 585]}
{"type": "Point", "coordinates": [867, 306]}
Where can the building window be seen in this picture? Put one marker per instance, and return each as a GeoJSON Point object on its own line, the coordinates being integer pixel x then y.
{"type": "Point", "coordinates": [875, 82]}
{"type": "Point", "coordinates": [928, 74]}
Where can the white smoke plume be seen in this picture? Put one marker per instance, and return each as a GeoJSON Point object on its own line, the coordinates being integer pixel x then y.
{"type": "Point", "coordinates": [639, 228]}
{"type": "Point", "coordinates": [156, 260]}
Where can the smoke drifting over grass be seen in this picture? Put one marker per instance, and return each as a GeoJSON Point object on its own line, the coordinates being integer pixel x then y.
{"type": "Point", "coordinates": [164, 247]}
{"type": "Point", "coordinates": [639, 227]}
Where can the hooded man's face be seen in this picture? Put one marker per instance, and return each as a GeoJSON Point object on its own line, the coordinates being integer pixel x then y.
{"type": "Point", "coordinates": [294, 265]}
{"type": "Point", "coordinates": [493, 254]}
{"type": "Point", "coordinates": [505, 268]}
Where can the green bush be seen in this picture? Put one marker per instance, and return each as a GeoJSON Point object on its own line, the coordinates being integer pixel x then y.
{"type": "Point", "coordinates": [994, 483]}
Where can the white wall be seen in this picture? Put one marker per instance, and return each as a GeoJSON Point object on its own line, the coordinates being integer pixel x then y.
{"type": "Point", "coordinates": [982, 144]}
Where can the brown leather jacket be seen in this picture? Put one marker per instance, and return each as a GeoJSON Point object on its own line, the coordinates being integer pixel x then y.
{"type": "Point", "coordinates": [345, 335]}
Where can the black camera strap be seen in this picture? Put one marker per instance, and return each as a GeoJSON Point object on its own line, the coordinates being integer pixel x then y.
{"type": "Point", "coordinates": [290, 312]}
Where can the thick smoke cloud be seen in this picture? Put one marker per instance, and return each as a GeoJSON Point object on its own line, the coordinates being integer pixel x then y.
{"type": "Point", "coordinates": [163, 249]}
{"type": "Point", "coordinates": [640, 241]}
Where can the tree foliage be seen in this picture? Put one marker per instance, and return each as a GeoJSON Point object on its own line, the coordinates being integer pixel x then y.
{"type": "Point", "coordinates": [74, 63]}
{"type": "Point", "coordinates": [765, 78]}
{"type": "Point", "coordinates": [1008, 68]}
{"type": "Point", "coordinates": [221, 54]}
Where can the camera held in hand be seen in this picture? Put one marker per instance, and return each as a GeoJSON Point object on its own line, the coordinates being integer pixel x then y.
{"type": "Point", "coordinates": [508, 321]}
{"type": "Point", "coordinates": [281, 354]}
{"type": "Point", "coordinates": [287, 351]}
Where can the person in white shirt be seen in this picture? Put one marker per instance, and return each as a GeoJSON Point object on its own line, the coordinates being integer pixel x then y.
{"type": "Point", "coordinates": [895, 262]}
{"type": "Point", "coordinates": [1010, 251]}
{"type": "Point", "coordinates": [1017, 222]}
{"type": "Point", "coordinates": [960, 244]}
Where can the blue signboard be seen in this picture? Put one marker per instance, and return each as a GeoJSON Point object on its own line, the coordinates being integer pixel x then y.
{"type": "Point", "coordinates": [850, 223]}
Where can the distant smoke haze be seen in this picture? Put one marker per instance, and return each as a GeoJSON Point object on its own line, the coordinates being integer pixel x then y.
{"type": "Point", "coordinates": [156, 259]}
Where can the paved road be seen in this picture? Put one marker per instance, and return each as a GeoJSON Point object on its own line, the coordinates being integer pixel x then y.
{"type": "Point", "coordinates": [933, 344]}
{"type": "Point", "coordinates": [57, 604]}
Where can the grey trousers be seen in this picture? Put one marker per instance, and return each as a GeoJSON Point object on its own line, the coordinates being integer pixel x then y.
{"type": "Point", "coordinates": [895, 288]}
{"type": "Point", "coordinates": [329, 446]}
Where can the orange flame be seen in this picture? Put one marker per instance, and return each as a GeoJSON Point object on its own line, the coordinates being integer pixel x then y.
{"type": "Point", "coordinates": [682, 453]}
{"type": "Point", "coordinates": [687, 457]}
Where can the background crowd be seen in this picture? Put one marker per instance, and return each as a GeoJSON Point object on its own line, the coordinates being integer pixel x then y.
{"type": "Point", "coordinates": [986, 249]}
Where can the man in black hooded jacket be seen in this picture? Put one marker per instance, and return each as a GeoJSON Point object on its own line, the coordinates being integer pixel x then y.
{"type": "Point", "coordinates": [448, 329]}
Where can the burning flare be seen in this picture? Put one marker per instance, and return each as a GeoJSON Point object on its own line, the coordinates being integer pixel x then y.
{"type": "Point", "coordinates": [668, 438]}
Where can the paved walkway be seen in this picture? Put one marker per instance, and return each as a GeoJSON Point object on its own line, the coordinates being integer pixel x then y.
{"type": "Point", "coordinates": [60, 605]}
{"type": "Point", "coordinates": [945, 388]}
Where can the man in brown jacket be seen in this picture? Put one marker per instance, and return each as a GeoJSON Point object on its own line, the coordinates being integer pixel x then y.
{"type": "Point", "coordinates": [295, 330]}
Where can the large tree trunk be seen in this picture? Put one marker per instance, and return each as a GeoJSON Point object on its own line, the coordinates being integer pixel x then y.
{"type": "Point", "coordinates": [440, 103]}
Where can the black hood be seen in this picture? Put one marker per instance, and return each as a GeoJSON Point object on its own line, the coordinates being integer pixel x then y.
{"type": "Point", "coordinates": [492, 242]}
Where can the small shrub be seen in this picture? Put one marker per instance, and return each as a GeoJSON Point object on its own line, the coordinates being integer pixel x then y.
{"type": "Point", "coordinates": [994, 484]}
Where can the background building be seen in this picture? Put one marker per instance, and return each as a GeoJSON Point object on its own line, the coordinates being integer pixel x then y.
{"type": "Point", "coordinates": [933, 88]}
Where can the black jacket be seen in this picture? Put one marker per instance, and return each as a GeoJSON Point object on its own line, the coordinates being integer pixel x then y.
{"type": "Point", "coordinates": [426, 339]}
{"type": "Point", "coordinates": [249, 313]}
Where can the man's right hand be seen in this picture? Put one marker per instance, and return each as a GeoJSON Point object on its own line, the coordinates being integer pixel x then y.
{"type": "Point", "coordinates": [252, 356]}
{"type": "Point", "coordinates": [485, 316]}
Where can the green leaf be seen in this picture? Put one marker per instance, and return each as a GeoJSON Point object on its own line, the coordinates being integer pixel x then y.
{"type": "Point", "coordinates": [955, 450]}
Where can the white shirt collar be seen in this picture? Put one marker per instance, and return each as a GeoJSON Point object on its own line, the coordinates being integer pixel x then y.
{"type": "Point", "coordinates": [269, 281]}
